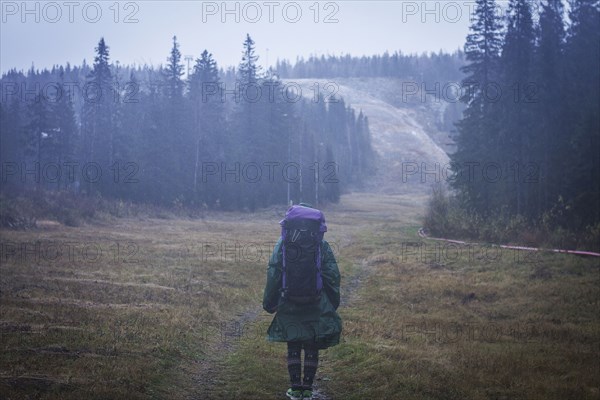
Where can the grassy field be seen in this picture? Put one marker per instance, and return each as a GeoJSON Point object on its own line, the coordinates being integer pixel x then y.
{"type": "Point", "coordinates": [170, 308]}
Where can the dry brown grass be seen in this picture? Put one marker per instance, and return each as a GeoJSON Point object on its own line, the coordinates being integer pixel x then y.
{"type": "Point", "coordinates": [447, 323]}
{"type": "Point", "coordinates": [124, 308]}
{"type": "Point", "coordinates": [416, 326]}
{"type": "Point", "coordinates": [452, 323]}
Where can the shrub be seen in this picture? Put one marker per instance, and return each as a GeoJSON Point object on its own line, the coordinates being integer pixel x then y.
{"type": "Point", "coordinates": [447, 217]}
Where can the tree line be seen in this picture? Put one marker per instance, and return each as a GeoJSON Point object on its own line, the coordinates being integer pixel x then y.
{"type": "Point", "coordinates": [529, 141]}
{"type": "Point", "coordinates": [427, 67]}
{"type": "Point", "coordinates": [239, 139]}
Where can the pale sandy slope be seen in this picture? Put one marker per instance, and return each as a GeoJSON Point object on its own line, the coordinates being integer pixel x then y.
{"type": "Point", "coordinates": [398, 135]}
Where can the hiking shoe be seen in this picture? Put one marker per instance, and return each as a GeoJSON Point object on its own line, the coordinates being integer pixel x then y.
{"type": "Point", "coordinates": [307, 395]}
{"type": "Point", "coordinates": [294, 394]}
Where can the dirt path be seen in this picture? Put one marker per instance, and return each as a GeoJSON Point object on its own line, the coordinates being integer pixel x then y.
{"type": "Point", "coordinates": [210, 372]}
{"type": "Point", "coordinates": [349, 296]}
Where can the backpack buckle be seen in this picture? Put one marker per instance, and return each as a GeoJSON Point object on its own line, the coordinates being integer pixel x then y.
{"type": "Point", "coordinates": [295, 235]}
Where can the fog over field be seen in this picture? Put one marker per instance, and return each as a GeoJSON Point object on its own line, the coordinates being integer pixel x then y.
{"type": "Point", "coordinates": [407, 190]}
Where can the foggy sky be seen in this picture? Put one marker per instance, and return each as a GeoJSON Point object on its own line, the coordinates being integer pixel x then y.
{"type": "Point", "coordinates": [47, 33]}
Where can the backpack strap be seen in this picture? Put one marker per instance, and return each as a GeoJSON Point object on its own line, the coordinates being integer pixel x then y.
{"type": "Point", "coordinates": [283, 237]}
{"type": "Point", "coordinates": [319, 274]}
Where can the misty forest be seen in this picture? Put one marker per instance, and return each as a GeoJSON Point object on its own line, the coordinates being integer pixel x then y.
{"type": "Point", "coordinates": [438, 173]}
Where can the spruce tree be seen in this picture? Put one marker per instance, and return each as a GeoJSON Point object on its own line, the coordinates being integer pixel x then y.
{"type": "Point", "coordinates": [38, 138]}
{"type": "Point", "coordinates": [210, 133]}
{"type": "Point", "coordinates": [249, 123]}
{"type": "Point", "coordinates": [67, 133]}
{"type": "Point", "coordinates": [550, 134]}
{"type": "Point", "coordinates": [249, 71]}
{"type": "Point", "coordinates": [11, 139]}
{"type": "Point", "coordinates": [582, 57]}
{"type": "Point", "coordinates": [98, 119]}
{"type": "Point", "coordinates": [476, 140]}
{"type": "Point", "coordinates": [179, 155]}
{"type": "Point", "coordinates": [517, 108]}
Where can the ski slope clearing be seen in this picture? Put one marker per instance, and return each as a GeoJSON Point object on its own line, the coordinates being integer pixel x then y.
{"type": "Point", "coordinates": [399, 135]}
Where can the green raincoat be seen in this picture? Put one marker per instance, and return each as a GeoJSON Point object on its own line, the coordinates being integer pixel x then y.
{"type": "Point", "coordinates": [318, 322]}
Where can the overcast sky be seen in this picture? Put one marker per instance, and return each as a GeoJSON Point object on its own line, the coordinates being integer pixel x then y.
{"type": "Point", "coordinates": [47, 33]}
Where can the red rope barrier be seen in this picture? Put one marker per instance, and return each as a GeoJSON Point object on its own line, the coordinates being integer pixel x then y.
{"type": "Point", "coordinates": [504, 246]}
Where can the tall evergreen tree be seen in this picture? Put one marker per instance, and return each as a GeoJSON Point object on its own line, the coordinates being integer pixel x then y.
{"type": "Point", "coordinates": [550, 131]}
{"type": "Point", "coordinates": [38, 138]}
{"type": "Point", "coordinates": [173, 73]}
{"type": "Point", "coordinates": [67, 133]}
{"type": "Point", "coordinates": [211, 140]}
{"type": "Point", "coordinates": [248, 123]}
{"type": "Point", "coordinates": [11, 139]}
{"type": "Point", "coordinates": [517, 114]}
{"type": "Point", "coordinates": [179, 155]}
{"type": "Point", "coordinates": [249, 70]}
{"type": "Point", "coordinates": [582, 57]}
{"type": "Point", "coordinates": [98, 119]}
{"type": "Point", "coordinates": [330, 179]}
{"type": "Point", "coordinates": [476, 139]}
{"type": "Point", "coordinates": [130, 135]}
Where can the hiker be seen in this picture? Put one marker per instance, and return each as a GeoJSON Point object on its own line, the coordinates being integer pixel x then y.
{"type": "Point", "coordinates": [303, 288]}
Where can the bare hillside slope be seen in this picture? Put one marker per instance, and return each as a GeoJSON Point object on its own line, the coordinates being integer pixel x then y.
{"type": "Point", "coordinates": [399, 136]}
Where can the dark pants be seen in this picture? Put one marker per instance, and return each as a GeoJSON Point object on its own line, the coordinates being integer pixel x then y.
{"type": "Point", "coordinates": [311, 360]}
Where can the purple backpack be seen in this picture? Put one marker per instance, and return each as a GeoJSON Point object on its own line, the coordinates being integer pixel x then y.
{"type": "Point", "coordinates": [302, 232]}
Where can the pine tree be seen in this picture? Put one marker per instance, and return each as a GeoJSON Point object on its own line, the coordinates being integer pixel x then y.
{"type": "Point", "coordinates": [173, 72]}
{"type": "Point", "coordinates": [38, 137]}
{"type": "Point", "coordinates": [476, 139]}
{"type": "Point", "coordinates": [209, 124]}
{"type": "Point", "coordinates": [179, 155]}
{"type": "Point", "coordinates": [517, 107]}
{"type": "Point", "coordinates": [366, 154]}
{"type": "Point", "coordinates": [330, 178]}
{"type": "Point", "coordinates": [155, 182]}
{"type": "Point", "coordinates": [249, 71]}
{"type": "Point", "coordinates": [66, 131]}
{"type": "Point", "coordinates": [130, 136]}
{"type": "Point", "coordinates": [582, 125]}
{"type": "Point", "coordinates": [283, 141]}
{"type": "Point", "coordinates": [550, 133]}
{"type": "Point", "coordinates": [249, 123]}
{"type": "Point", "coordinates": [11, 139]}
{"type": "Point", "coordinates": [97, 118]}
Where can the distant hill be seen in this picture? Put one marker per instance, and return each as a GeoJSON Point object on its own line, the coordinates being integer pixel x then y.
{"type": "Point", "coordinates": [402, 131]}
